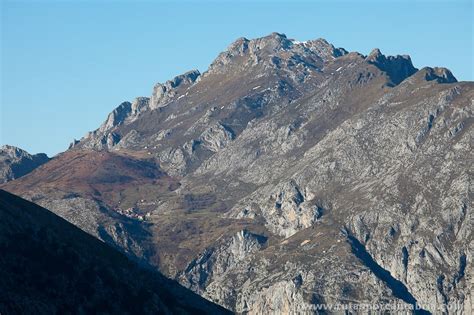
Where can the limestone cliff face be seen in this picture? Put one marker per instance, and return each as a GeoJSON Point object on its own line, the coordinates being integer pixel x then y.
{"type": "Point", "coordinates": [164, 93]}
{"type": "Point", "coordinates": [291, 174]}
{"type": "Point", "coordinates": [214, 263]}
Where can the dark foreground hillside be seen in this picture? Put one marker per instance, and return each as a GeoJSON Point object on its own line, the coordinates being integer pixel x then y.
{"type": "Point", "coordinates": [48, 266]}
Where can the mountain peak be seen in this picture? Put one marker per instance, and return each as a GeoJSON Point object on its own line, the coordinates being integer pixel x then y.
{"type": "Point", "coordinates": [374, 55]}
{"type": "Point", "coordinates": [274, 41]}
{"type": "Point", "coordinates": [244, 52]}
{"type": "Point", "coordinates": [324, 49]}
{"type": "Point", "coordinates": [16, 162]}
{"type": "Point", "coordinates": [398, 67]}
{"type": "Point", "coordinates": [16, 152]}
{"type": "Point", "coordinates": [12, 150]}
{"type": "Point", "coordinates": [438, 74]}
{"type": "Point", "coordinates": [277, 35]}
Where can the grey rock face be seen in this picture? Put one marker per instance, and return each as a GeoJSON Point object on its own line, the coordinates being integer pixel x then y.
{"type": "Point", "coordinates": [105, 136]}
{"type": "Point", "coordinates": [211, 266]}
{"type": "Point", "coordinates": [287, 210]}
{"type": "Point", "coordinates": [15, 162]}
{"type": "Point", "coordinates": [163, 93]}
{"type": "Point", "coordinates": [216, 137]}
{"type": "Point", "coordinates": [356, 169]}
{"type": "Point", "coordinates": [397, 67]}
{"type": "Point", "coordinates": [441, 75]}
{"type": "Point", "coordinates": [275, 52]}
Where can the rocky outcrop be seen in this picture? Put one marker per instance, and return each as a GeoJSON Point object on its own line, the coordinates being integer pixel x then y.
{"type": "Point", "coordinates": [287, 210]}
{"type": "Point", "coordinates": [163, 93]}
{"type": "Point", "coordinates": [276, 51]}
{"type": "Point", "coordinates": [440, 75]}
{"type": "Point", "coordinates": [397, 67]}
{"type": "Point", "coordinates": [174, 160]}
{"type": "Point", "coordinates": [107, 137]}
{"type": "Point", "coordinates": [210, 266]}
{"type": "Point", "coordinates": [15, 162]}
{"type": "Point", "coordinates": [216, 137]}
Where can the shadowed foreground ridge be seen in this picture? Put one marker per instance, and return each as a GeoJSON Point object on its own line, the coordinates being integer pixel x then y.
{"type": "Point", "coordinates": [49, 266]}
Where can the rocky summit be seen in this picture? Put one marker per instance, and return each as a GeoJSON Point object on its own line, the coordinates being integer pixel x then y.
{"type": "Point", "coordinates": [15, 162]}
{"type": "Point", "coordinates": [287, 177]}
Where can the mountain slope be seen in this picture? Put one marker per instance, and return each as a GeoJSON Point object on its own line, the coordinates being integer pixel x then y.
{"type": "Point", "coordinates": [15, 162]}
{"type": "Point", "coordinates": [53, 267]}
{"type": "Point", "coordinates": [302, 174]}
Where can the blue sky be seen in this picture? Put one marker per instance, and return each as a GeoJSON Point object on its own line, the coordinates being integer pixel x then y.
{"type": "Point", "coordinates": [66, 64]}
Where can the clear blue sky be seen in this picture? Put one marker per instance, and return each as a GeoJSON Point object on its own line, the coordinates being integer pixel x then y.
{"type": "Point", "coordinates": [66, 64]}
